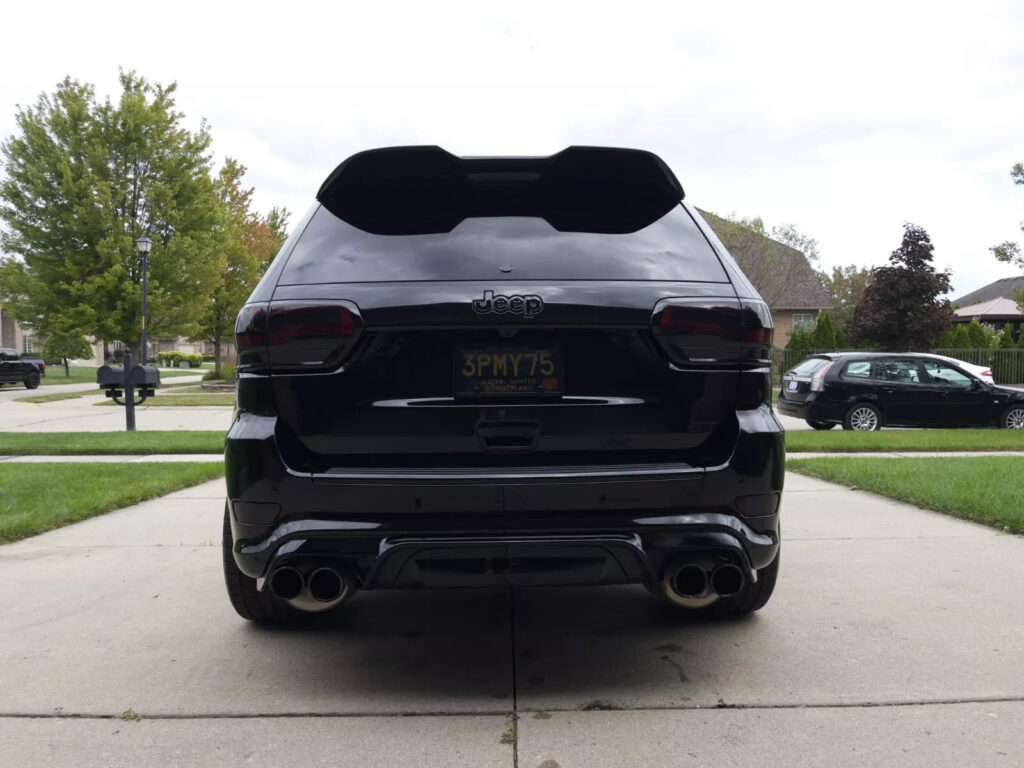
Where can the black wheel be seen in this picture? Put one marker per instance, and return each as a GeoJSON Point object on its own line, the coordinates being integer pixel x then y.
{"type": "Point", "coordinates": [1013, 417]}
{"type": "Point", "coordinates": [819, 424]}
{"type": "Point", "coordinates": [249, 602]}
{"type": "Point", "coordinates": [32, 380]}
{"type": "Point", "coordinates": [863, 417]}
{"type": "Point", "coordinates": [753, 596]}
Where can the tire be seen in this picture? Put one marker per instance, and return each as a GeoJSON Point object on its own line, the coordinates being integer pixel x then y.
{"type": "Point", "coordinates": [819, 424]}
{"type": "Point", "coordinates": [752, 597]}
{"type": "Point", "coordinates": [32, 380]}
{"type": "Point", "coordinates": [1013, 417]}
{"type": "Point", "coordinates": [863, 417]}
{"type": "Point", "coordinates": [249, 602]}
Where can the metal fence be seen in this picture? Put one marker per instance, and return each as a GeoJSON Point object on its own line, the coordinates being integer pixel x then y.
{"type": "Point", "coordinates": [1007, 364]}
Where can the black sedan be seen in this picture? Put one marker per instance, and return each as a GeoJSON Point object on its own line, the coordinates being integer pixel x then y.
{"type": "Point", "coordinates": [865, 391]}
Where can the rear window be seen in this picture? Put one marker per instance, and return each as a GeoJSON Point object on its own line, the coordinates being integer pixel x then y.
{"type": "Point", "coordinates": [858, 369]}
{"type": "Point", "coordinates": [506, 247]}
{"type": "Point", "coordinates": [809, 366]}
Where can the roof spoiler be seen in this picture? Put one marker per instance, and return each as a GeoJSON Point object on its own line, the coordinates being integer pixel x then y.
{"type": "Point", "coordinates": [424, 189]}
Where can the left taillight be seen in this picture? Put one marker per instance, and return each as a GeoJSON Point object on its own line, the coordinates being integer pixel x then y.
{"type": "Point", "coordinates": [296, 336]}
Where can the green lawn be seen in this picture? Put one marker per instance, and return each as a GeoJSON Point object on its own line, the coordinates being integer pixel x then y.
{"type": "Point", "coordinates": [177, 401]}
{"type": "Point", "coordinates": [53, 397]}
{"type": "Point", "coordinates": [840, 441]}
{"type": "Point", "coordinates": [93, 443]}
{"type": "Point", "coordinates": [86, 374]}
{"type": "Point", "coordinates": [41, 497]}
{"type": "Point", "coordinates": [984, 489]}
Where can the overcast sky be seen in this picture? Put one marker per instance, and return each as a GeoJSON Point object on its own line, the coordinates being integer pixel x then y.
{"type": "Point", "coordinates": [843, 119]}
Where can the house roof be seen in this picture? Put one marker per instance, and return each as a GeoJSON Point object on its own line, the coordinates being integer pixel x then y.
{"type": "Point", "coordinates": [782, 275]}
{"type": "Point", "coordinates": [993, 308]}
{"type": "Point", "coordinates": [1000, 289]}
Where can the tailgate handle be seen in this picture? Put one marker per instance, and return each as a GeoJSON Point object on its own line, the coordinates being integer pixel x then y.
{"type": "Point", "coordinates": [508, 436]}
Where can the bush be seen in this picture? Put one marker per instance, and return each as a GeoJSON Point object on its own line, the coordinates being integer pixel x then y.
{"type": "Point", "coordinates": [801, 340]}
{"type": "Point", "coordinates": [227, 374]}
{"type": "Point", "coordinates": [208, 358]}
{"type": "Point", "coordinates": [980, 336]}
{"type": "Point", "coordinates": [171, 359]}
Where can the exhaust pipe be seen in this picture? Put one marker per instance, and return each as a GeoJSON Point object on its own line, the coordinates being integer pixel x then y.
{"type": "Point", "coordinates": [326, 585]}
{"type": "Point", "coordinates": [286, 583]}
{"type": "Point", "coordinates": [727, 580]}
{"type": "Point", "coordinates": [690, 581]}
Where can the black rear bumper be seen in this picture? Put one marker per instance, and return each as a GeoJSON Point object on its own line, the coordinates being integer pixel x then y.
{"type": "Point", "coordinates": [556, 526]}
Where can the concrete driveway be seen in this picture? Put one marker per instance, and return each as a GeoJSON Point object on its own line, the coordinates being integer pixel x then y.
{"type": "Point", "coordinates": [895, 638]}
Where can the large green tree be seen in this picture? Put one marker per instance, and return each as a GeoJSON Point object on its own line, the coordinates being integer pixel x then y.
{"type": "Point", "coordinates": [845, 286]}
{"type": "Point", "coordinates": [82, 179]}
{"type": "Point", "coordinates": [246, 242]}
{"type": "Point", "coordinates": [1009, 251]}
{"type": "Point", "coordinates": [902, 308]}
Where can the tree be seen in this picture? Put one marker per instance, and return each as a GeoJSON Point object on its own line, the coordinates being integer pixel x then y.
{"type": "Point", "coordinates": [901, 309]}
{"type": "Point", "coordinates": [845, 286]}
{"type": "Point", "coordinates": [246, 243]}
{"type": "Point", "coordinates": [1010, 252]}
{"type": "Point", "coordinates": [84, 178]}
{"type": "Point", "coordinates": [1006, 338]}
{"type": "Point", "coordinates": [824, 335]}
{"type": "Point", "coordinates": [801, 340]}
{"type": "Point", "coordinates": [980, 336]}
{"type": "Point", "coordinates": [64, 346]}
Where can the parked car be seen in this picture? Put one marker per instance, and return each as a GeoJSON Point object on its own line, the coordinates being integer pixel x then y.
{"type": "Point", "coordinates": [15, 369]}
{"type": "Point", "coordinates": [982, 372]}
{"type": "Point", "coordinates": [502, 371]}
{"type": "Point", "coordinates": [864, 391]}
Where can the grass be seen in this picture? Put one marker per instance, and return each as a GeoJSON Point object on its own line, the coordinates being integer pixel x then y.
{"type": "Point", "coordinates": [983, 489]}
{"type": "Point", "coordinates": [177, 401]}
{"type": "Point", "coordinates": [840, 441]}
{"type": "Point", "coordinates": [120, 443]}
{"type": "Point", "coordinates": [86, 374]}
{"type": "Point", "coordinates": [41, 497]}
{"type": "Point", "coordinates": [54, 396]}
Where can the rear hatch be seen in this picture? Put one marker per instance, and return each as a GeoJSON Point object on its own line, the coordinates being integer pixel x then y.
{"type": "Point", "coordinates": [587, 333]}
{"type": "Point", "coordinates": [799, 381]}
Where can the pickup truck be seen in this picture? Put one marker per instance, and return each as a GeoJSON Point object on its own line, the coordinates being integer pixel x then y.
{"type": "Point", "coordinates": [15, 369]}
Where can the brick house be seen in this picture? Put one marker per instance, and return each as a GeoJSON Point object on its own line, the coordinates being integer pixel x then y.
{"type": "Point", "coordinates": [782, 275]}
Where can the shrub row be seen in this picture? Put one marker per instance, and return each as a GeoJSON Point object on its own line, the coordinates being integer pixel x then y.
{"type": "Point", "coordinates": [171, 359]}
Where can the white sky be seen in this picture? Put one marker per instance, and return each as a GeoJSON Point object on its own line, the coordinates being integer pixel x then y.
{"type": "Point", "coordinates": [846, 119]}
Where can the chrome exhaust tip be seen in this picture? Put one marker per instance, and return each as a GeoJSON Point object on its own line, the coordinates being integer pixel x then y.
{"type": "Point", "coordinates": [286, 583]}
{"type": "Point", "coordinates": [326, 585]}
{"type": "Point", "coordinates": [690, 581]}
{"type": "Point", "coordinates": [727, 580]}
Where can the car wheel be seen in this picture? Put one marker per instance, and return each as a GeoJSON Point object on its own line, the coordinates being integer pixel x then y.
{"type": "Point", "coordinates": [863, 417]}
{"type": "Point", "coordinates": [753, 596]}
{"type": "Point", "coordinates": [819, 424]}
{"type": "Point", "coordinates": [249, 602]}
{"type": "Point", "coordinates": [1013, 418]}
{"type": "Point", "coordinates": [32, 380]}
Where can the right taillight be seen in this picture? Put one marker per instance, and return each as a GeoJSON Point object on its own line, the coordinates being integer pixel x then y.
{"type": "Point", "coordinates": [296, 336]}
{"type": "Point", "coordinates": [714, 330]}
{"type": "Point", "coordinates": [818, 377]}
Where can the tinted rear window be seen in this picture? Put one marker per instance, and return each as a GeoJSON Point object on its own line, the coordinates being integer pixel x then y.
{"type": "Point", "coordinates": [510, 247]}
{"type": "Point", "coordinates": [809, 366]}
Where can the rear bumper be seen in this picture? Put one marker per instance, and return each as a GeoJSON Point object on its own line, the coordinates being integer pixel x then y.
{"type": "Point", "coordinates": [569, 525]}
{"type": "Point", "coordinates": [814, 409]}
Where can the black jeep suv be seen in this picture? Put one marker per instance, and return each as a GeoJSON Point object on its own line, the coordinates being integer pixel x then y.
{"type": "Point", "coordinates": [491, 371]}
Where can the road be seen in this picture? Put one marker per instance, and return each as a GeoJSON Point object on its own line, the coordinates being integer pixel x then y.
{"type": "Point", "coordinates": [894, 638]}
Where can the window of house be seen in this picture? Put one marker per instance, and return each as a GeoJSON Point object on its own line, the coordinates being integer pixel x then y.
{"type": "Point", "coordinates": [803, 322]}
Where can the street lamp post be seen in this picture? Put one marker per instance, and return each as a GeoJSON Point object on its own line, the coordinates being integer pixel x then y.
{"type": "Point", "coordinates": [143, 245]}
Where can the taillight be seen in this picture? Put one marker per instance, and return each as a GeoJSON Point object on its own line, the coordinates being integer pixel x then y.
{"type": "Point", "coordinates": [818, 377]}
{"type": "Point", "coordinates": [714, 330]}
{"type": "Point", "coordinates": [987, 374]}
{"type": "Point", "coordinates": [296, 336]}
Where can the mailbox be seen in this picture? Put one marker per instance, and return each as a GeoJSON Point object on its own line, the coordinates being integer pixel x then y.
{"type": "Point", "coordinates": [145, 376]}
{"type": "Point", "coordinates": [111, 380]}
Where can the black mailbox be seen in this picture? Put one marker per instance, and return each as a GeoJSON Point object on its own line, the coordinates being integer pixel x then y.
{"type": "Point", "coordinates": [145, 376]}
{"type": "Point", "coordinates": [110, 376]}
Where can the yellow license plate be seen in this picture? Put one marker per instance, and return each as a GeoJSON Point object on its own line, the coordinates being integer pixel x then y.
{"type": "Point", "coordinates": [507, 371]}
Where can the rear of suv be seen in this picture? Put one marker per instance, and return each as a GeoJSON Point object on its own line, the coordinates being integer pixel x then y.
{"type": "Point", "coordinates": [502, 371]}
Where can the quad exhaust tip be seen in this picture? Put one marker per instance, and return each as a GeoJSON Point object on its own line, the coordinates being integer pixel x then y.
{"type": "Point", "coordinates": [694, 585]}
{"type": "Point", "coordinates": [727, 580]}
{"type": "Point", "coordinates": [690, 581]}
{"type": "Point", "coordinates": [326, 585]}
{"type": "Point", "coordinates": [286, 583]}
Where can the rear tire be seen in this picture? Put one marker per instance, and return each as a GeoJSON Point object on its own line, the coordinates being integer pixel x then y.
{"type": "Point", "coordinates": [32, 380]}
{"type": "Point", "coordinates": [863, 417]}
{"type": "Point", "coordinates": [819, 424]}
{"type": "Point", "coordinates": [753, 596]}
{"type": "Point", "coordinates": [1013, 417]}
{"type": "Point", "coordinates": [249, 602]}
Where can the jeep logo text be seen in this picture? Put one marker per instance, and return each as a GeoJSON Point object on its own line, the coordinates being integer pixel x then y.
{"type": "Point", "coordinates": [527, 306]}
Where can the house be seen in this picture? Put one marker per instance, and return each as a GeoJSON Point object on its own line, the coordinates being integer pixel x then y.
{"type": "Point", "coordinates": [994, 304]}
{"type": "Point", "coordinates": [13, 336]}
{"type": "Point", "coordinates": [782, 275]}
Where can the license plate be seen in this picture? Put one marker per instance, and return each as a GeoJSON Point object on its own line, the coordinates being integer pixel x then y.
{"type": "Point", "coordinates": [793, 386]}
{"type": "Point", "coordinates": [507, 371]}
